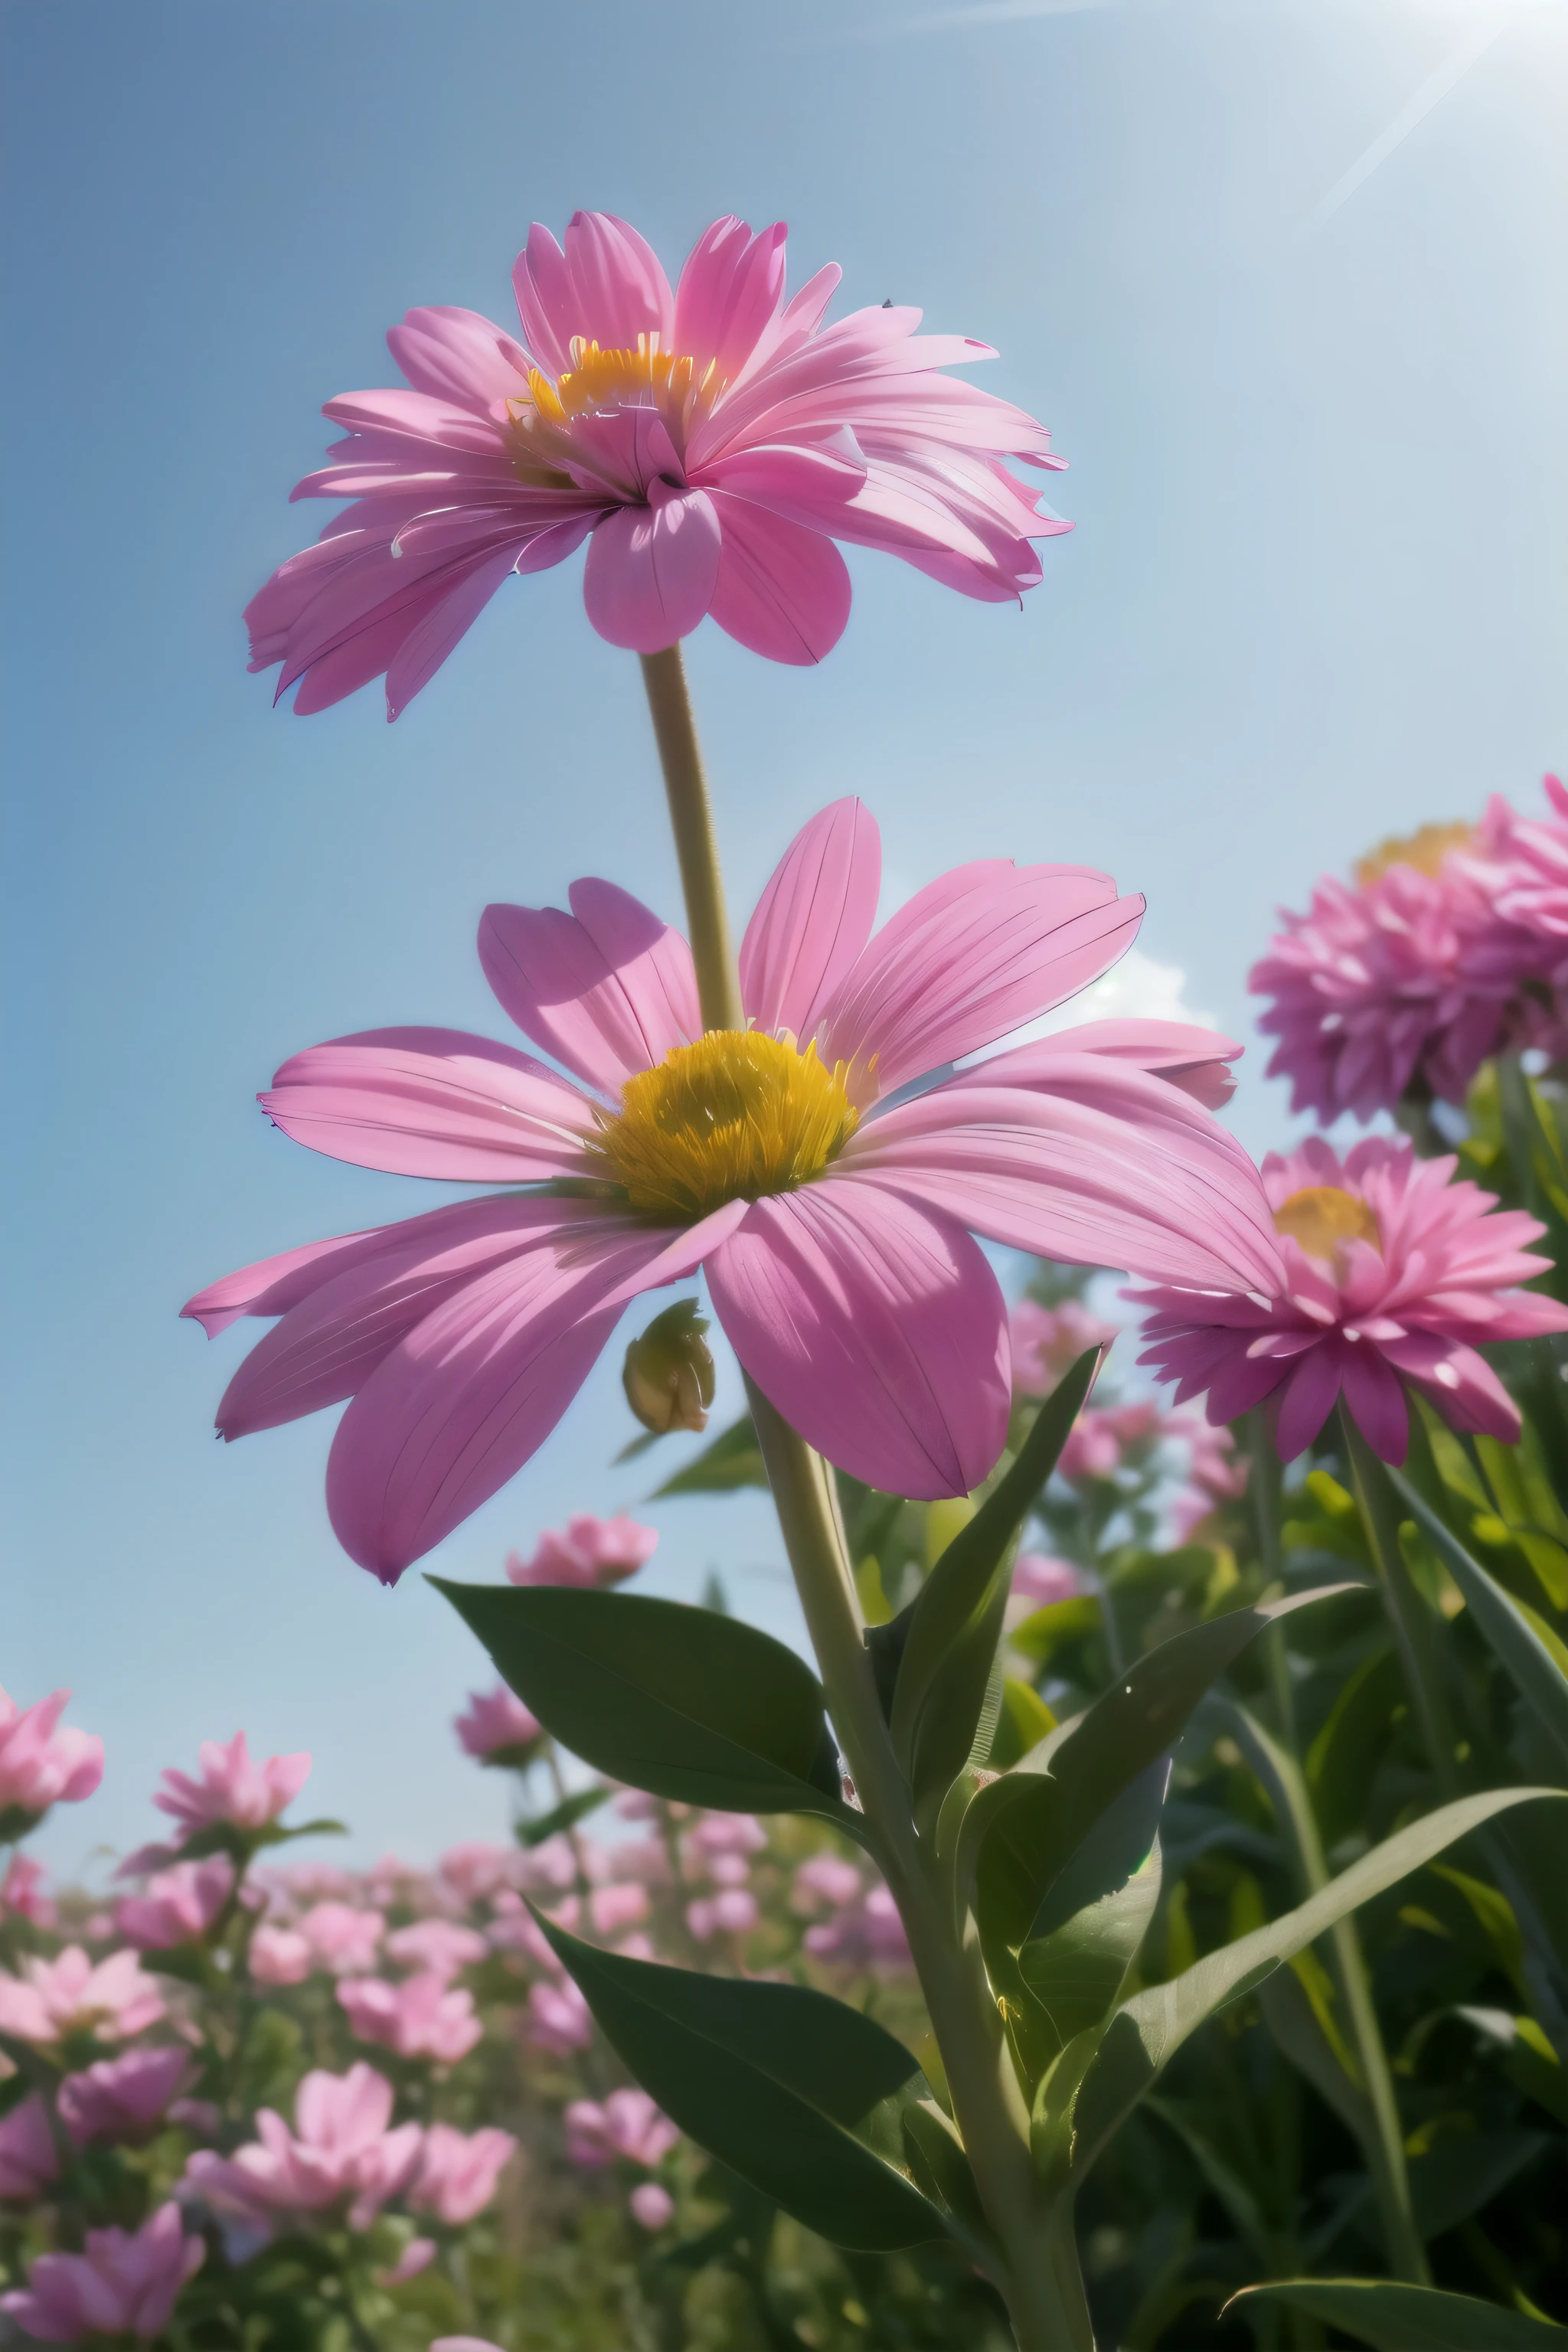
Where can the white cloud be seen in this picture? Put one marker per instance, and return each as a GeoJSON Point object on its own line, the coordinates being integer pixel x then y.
{"type": "Point", "coordinates": [1136, 989]}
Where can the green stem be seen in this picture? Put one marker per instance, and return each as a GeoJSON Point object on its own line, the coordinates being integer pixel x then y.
{"type": "Point", "coordinates": [1266, 1505]}
{"type": "Point", "coordinates": [691, 821]}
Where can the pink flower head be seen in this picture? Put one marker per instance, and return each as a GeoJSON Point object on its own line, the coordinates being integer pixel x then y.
{"type": "Point", "coordinates": [627, 2124]}
{"type": "Point", "coordinates": [617, 1907]}
{"type": "Point", "coordinates": [732, 1912]}
{"type": "Point", "coordinates": [1393, 1272]}
{"type": "Point", "coordinates": [421, 2018]}
{"type": "Point", "coordinates": [558, 2018]}
{"type": "Point", "coordinates": [418, 2255]}
{"type": "Point", "coordinates": [496, 1722]}
{"type": "Point", "coordinates": [1522, 864]}
{"type": "Point", "coordinates": [825, 1878]}
{"type": "Point", "coordinates": [22, 1892]}
{"type": "Point", "coordinates": [651, 2206]}
{"type": "Point", "coordinates": [341, 2147]}
{"type": "Point", "coordinates": [1047, 1340]}
{"type": "Point", "coordinates": [40, 1766]}
{"type": "Point", "coordinates": [29, 2161]}
{"type": "Point", "coordinates": [177, 1905]}
{"type": "Point", "coordinates": [126, 2283]}
{"type": "Point", "coordinates": [475, 1871]}
{"type": "Point", "coordinates": [1214, 1473]}
{"type": "Point", "coordinates": [710, 443]}
{"type": "Point", "coordinates": [440, 1947]}
{"type": "Point", "coordinates": [70, 1994]}
{"type": "Point", "coordinates": [458, 2171]}
{"type": "Point", "coordinates": [1040, 1579]}
{"type": "Point", "coordinates": [342, 1937]}
{"type": "Point", "coordinates": [1100, 1439]}
{"type": "Point", "coordinates": [865, 1935]}
{"type": "Point", "coordinates": [122, 2100]}
{"type": "Point", "coordinates": [832, 1228]}
{"type": "Point", "coordinates": [590, 1552]}
{"type": "Point", "coordinates": [280, 1956]}
{"type": "Point", "coordinates": [232, 1789]}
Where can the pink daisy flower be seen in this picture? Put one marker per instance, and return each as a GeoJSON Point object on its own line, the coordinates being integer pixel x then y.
{"type": "Point", "coordinates": [1392, 1272]}
{"type": "Point", "coordinates": [710, 442]}
{"type": "Point", "coordinates": [829, 1210]}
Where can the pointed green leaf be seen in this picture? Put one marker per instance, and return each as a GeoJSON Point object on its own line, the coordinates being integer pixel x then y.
{"type": "Point", "coordinates": [1394, 2319]}
{"type": "Point", "coordinates": [771, 2079]}
{"type": "Point", "coordinates": [692, 1706]}
{"type": "Point", "coordinates": [957, 1620]}
{"type": "Point", "coordinates": [1459, 2175]}
{"type": "Point", "coordinates": [1148, 2030]}
{"type": "Point", "coordinates": [1505, 1624]}
{"type": "Point", "coordinates": [941, 2168]}
{"type": "Point", "coordinates": [735, 1459]}
{"type": "Point", "coordinates": [1076, 1971]}
{"type": "Point", "coordinates": [563, 1816]}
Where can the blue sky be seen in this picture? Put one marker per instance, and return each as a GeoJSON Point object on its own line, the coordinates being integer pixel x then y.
{"type": "Point", "coordinates": [1290, 304]}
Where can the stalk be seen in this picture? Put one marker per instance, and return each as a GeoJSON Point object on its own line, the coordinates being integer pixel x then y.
{"type": "Point", "coordinates": [691, 821]}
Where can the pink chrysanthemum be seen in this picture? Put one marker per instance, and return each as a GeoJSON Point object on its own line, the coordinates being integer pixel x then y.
{"type": "Point", "coordinates": [232, 1787]}
{"type": "Point", "coordinates": [830, 1221]}
{"type": "Point", "coordinates": [586, 1552]}
{"type": "Point", "coordinates": [1393, 1272]}
{"type": "Point", "coordinates": [710, 443]}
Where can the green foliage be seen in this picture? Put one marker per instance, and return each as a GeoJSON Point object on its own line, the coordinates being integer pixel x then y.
{"type": "Point", "coordinates": [1409, 2318]}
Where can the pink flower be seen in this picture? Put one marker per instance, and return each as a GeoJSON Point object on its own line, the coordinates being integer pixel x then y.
{"type": "Point", "coordinates": [122, 2100]}
{"type": "Point", "coordinates": [867, 1934]}
{"type": "Point", "coordinates": [40, 1767]}
{"type": "Point", "coordinates": [825, 1878]}
{"type": "Point", "coordinates": [591, 1552]}
{"type": "Point", "coordinates": [1214, 1473]}
{"type": "Point", "coordinates": [68, 1994]}
{"type": "Point", "coordinates": [475, 1871]}
{"type": "Point", "coordinates": [1522, 864]}
{"type": "Point", "coordinates": [232, 1789]}
{"type": "Point", "coordinates": [439, 1946]}
{"type": "Point", "coordinates": [22, 1892]}
{"type": "Point", "coordinates": [458, 2171]}
{"type": "Point", "coordinates": [420, 2018]}
{"type": "Point", "coordinates": [1392, 1272]}
{"type": "Point", "coordinates": [418, 2255]}
{"type": "Point", "coordinates": [651, 2206]}
{"type": "Point", "coordinates": [340, 2147]}
{"type": "Point", "coordinates": [177, 1905]}
{"type": "Point", "coordinates": [29, 2161]}
{"type": "Point", "coordinates": [124, 2285]}
{"type": "Point", "coordinates": [280, 1956]}
{"type": "Point", "coordinates": [558, 2018]}
{"type": "Point", "coordinates": [1048, 1340]}
{"type": "Point", "coordinates": [710, 443]}
{"type": "Point", "coordinates": [831, 1229]}
{"type": "Point", "coordinates": [614, 1908]}
{"type": "Point", "coordinates": [1101, 1438]}
{"type": "Point", "coordinates": [341, 1939]}
{"type": "Point", "coordinates": [732, 1912]}
{"type": "Point", "coordinates": [494, 1723]}
{"type": "Point", "coordinates": [627, 2124]}
{"type": "Point", "coordinates": [464, 2343]}
{"type": "Point", "coordinates": [1040, 1580]}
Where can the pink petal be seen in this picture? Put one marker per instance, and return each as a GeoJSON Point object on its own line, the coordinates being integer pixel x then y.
{"type": "Point", "coordinates": [608, 990]}
{"type": "Point", "coordinates": [974, 954]}
{"type": "Point", "coordinates": [781, 591]}
{"type": "Point", "coordinates": [457, 355]}
{"type": "Point", "coordinates": [1197, 1060]}
{"type": "Point", "coordinates": [273, 1284]}
{"type": "Point", "coordinates": [1374, 1401]}
{"type": "Point", "coordinates": [607, 286]}
{"type": "Point", "coordinates": [652, 571]}
{"type": "Point", "coordinates": [878, 1330]}
{"type": "Point", "coordinates": [813, 918]}
{"type": "Point", "coordinates": [1307, 1398]}
{"type": "Point", "coordinates": [435, 634]}
{"type": "Point", "coordinates": [432, 1102]}
{"type": "Point", "coordinates": [1461, 1384]}
{"type": "Point", "coordinates": [465, 1399]}
{"type": "Point", "coordinates": [729, 294]}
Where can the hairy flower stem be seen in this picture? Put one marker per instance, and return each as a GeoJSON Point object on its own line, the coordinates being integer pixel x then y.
{"type": "Point", "coordinates": [691, 821]}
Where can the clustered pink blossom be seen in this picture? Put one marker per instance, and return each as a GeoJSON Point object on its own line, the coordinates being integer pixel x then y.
{"type": "Point", "coordinates": [22, 1894]}
{"type": "Point", "coordinates": [557, 2017]}
{"type": "Point", "coordinates": [438, 1946]}
{"type": "Point", "coordinates": [126, 2283]}
{"type": "Point", "coordinates": [1447, 950]}
{"type": "Point", "coordinates": [29, 2161]}
{"type": "Point", "coordinates": [177, 1905]}
{"type": "Point", "coordinates": [41, 1765]}
{"type": "Point", "coordinates": [231, 1788]}
{"type": "Point", "coordinates": [72, 1994]}
{"type": "Point", "coordinates": [342, 2147]}
{"type": "Point", "coordinates": [588, 1551]}
{"type": "Point", "coordinates": [854, 1293]}
{"type": "Point", "coordinates": [122, 2100]}
{"type": "Point", "coordinates": [457, 2171]}
{"type": "Point", "coordinates": [824, 1877]}
{"type": "Point", "coordinates": [1038, 1580]}
{"type": "Point", "coordinates": [710, 443]}
{"type": "Point", "coordinates": [496, 1722]}
{"type": "Point", "coordinates": [1047, 1341]}
{"type": "Point", "coordinates": [1102, 1437]}
{"type": "Point", "coordinates": [868, 1933]}
{"type": "Point", "coordinates": [626, 2123]}
{"type": "Point", "coordinates": [1393, 1273]}
{"type": "Point", "coordinates": [423, 2017]}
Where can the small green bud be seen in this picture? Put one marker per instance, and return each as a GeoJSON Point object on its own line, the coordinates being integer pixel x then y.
{"type": "Point", "coordinates": [669, 1374]}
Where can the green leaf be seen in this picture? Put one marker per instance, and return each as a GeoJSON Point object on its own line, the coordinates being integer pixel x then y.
{"type": "Point", "coordinates": [1459, 2175]}
{"type": "Point", "coordinates": [957, 1619]}
{"type": "Point", "coordinates": [735, 1459]}
{"type": "Point", "coordinates": [1024, 1721]}
{"type": "Point", "coordinates": [941, 2168]}
{"type": "Point", "coordinates": [694, 1707]}
{"type": "Point", "coordinates": [15, 1821]}
{"type": "Point", "coordinates": [563, 1816]}
{"type": "Point", "coordinates": [771, 2079]}
{"type": "Point", "coordinates": [1393, 2319]}
{"type": "Point", "coordinates": [1148, 2030]}
{"type": "Point", "coordinates": [1348, 1750]}
{"type": "Point", "coordinates": [1075, 1972]}
{"type": "Point", "coordinates": [1046, 1629]}
{"type": "Point", "coordinates": [1500, 1618]}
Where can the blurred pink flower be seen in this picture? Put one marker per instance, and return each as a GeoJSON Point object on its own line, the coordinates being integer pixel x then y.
{"type": "Point", "coordinates": [122, 2100]}
{"type": "Point", "coordinates": [732, 1912]}
{"type": "Point", "coordinates": [558, 2019]}
{"type": "Point", "coordinates": [835, 1244]}
{"type": "Point", "coordinates": [342, 1937]}
{"type": "Point", "coordinates": [232, 1789]}
{"type": "Point", "coordinates": [725, 1834]}
{"type": "Point", "coordinates": [464, 2343]}
{"type": "Point", "coordinates": [340, 2147]}
{"type": "Point", "coordinates": [589, 1552]}
{"type": "Point", "coordinates": [475, 1871]}
{"type": "Point", "coordinates": [176, 1906]}
{"type": "Point", "coordinates": [621, 1905]}
{"type": "Point", "coordinates": [1101, 1438]}
{"type": "Point", "coordinates": [626, 2123]}
{"type": "Point", "coordinates": [494, 1721]}
{"type": "Point", "coordinates": [1040, 1580]}
{"type": "Point", "coordinates": [70, 1994]}
{"type": "Point", "coordinates": [1214, 1473]}
{"type": "Point", "coordinates": [422, 2017]}
{"type": "Point", "coordinates": [1047, 1340]}
{"type": "Point", "coordinates": [29, 2161]}
{"type": "Point", "coordinates": [280, 1956]}
{"type": "Point", "coordinates": [825, 1878]}
{"type": "Point", "coordinates": [418, 2255]}
{"type": "Point", "coordinates": [1392, 1272]}
{"type": "Point", "coordinates": [124, 2285]}
{"type": "Point", "coordinates": [867, 1934]}
{"type": "Point", "coordinates": [711, 444]}
{"type": "Point", "coordinates": [458, 2172]}
{"type": "Point", "coordinates": [651, 2206]}
{"type": "Point", "coordinates": [1522, 864]}
{"type": "Point", "coordinates": [40, 1766]}
{"type": "Point", "coordinates": [22, 1892]}
{"type": "Point", "coordinates": [439, 1946]}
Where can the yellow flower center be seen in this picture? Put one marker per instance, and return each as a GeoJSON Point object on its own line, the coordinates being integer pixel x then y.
{"type": "Point", "coordinates": [1323, 1219]}
{"type": "Point", "coordinates": [733, 1117]}
{"type": "Point", "coordinates": [1425, 850]}
{"type": "Point", "coordinates": [618, 379]}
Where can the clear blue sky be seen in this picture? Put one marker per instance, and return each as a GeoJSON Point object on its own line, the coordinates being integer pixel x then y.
{"type": "Point", "coordinates": [1316, 594]}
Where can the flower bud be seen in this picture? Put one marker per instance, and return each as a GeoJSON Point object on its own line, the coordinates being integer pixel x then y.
{"type": "Point", "coordinates": [669, 1374]}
